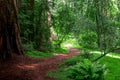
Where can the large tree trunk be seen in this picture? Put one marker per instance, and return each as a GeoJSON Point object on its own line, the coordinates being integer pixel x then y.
{"type": "Point", "coordinates": [9, 29]}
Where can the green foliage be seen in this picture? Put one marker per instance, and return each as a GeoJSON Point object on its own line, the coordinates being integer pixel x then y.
{"type": "Point", "coordinates": [86, 70]}
{"type": "Point", "coordinates": [28, 46]}
{"type": "Point", "coordinates": [25, 21]}
{"type": "Point", "coordinates": [61, 50]}
{"type": "Point", "coordinates": [59, 74]}
{"type": "Point", "coordinates": [71, 61]}
{"type": "Point", "coordinates": [63, 21]}
{"type": "Point", "coordinates": [35, 27]}
{"type": "Point", "coordinates": [88, 40]}
{"type": "Point", "coordinates": [114, 70]}
{"type": "Point", "coordinates": [94, 24]}
{"type": "Point", "coordinates": [71, 42]}
{"type": "Point", "coordinates": [87, 55]}
{"type": "Point", "coordinates": [38, 54]}
{"type": "Point", "coordinates": [77, 59]}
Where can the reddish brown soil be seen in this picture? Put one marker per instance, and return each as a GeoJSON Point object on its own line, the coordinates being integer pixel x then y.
{"type": "Point", "coordinates": [29, 68]}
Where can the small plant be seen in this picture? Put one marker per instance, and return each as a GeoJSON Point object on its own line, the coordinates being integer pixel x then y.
{"type": "Point", "coordinates": [77, 59]}
{"type": "Point", "coordinates": [28, 46]}
{"type": "Point", "coordinates": [38, 54]}
{"type": "Point", "coordinates": [87, 55]}
{"type": "Point", "coordinates": [86, 70]}
{"type": "Point", "coordinates": [87, 39]}
{"type": "Point", "coordinates": [61, 50]}
{"type": "Point", "coordinates": [71, 61]}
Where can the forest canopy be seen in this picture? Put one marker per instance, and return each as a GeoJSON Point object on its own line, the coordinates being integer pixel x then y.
{"type": "Point", "coordinates": [45, 25]}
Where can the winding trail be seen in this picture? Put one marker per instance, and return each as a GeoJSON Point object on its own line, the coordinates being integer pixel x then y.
{"type": "Point", "coordinates": [29, 68]}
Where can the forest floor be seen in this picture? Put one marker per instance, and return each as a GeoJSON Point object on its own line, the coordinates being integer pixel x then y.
{"type": "Point", "coordinates": [29, 68]}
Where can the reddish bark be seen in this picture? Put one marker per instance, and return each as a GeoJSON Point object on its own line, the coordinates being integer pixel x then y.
{"type": "Point", "coordinates": [9, 29]}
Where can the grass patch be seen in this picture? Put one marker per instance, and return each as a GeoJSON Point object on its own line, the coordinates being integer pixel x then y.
{"type": "Point", "coordinates": [113, 65]}
{"type": "Point", "coordinates": [71, 61]}
{"type": "Point", "coordinates": [115, 54]}
{"type": "Point", "coordinates": [61, 50]}
{"type": "Point", "coordinates": [59, 74]}
{"type": "Point", "coordinates": [38, 54]}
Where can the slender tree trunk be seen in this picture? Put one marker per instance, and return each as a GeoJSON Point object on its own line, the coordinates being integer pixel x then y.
{"type": "Point", "coordinates": [98, 31]}
{"type": "Point", "coordinates": [9, 29]}
{"type": "Point", "coordinates": [31, 7]}
{"type": "Point", "coordinates": [98, 26]}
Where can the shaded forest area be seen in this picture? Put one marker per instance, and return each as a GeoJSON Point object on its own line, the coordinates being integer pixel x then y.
{"type": "Point", "coordinates": [35, 29]}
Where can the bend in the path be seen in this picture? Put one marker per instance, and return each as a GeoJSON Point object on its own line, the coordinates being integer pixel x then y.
{"type": "Point", "coordinates": [27, 68]}
{"type": "Point", "coordinates": [52, 63]}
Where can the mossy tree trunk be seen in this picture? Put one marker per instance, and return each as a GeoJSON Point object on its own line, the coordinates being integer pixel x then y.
{"type": "Point", "coordinates": [9, 29]}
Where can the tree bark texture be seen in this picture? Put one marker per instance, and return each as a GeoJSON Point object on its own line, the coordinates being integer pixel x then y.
{"type": "Point", "coordinates": [9, 29]}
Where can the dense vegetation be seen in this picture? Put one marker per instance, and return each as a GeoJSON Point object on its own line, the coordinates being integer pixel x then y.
{"type": "Point", "coordinates": [44, 27]}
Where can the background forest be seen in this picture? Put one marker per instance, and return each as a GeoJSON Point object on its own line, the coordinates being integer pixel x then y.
{"type": "Point", "coordinates": [52, 25]}
{"type": "Point", "coordinates": [45, 28]}
{"type": "Point", "coordinates": [45, 25]}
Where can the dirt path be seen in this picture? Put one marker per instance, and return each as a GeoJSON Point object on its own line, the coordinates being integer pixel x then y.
{"type": "Point", "coordinates": [29, 68]}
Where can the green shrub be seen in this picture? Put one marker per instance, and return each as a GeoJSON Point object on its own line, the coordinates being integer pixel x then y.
{"type": "Point", "coordinates": [88, 39]}
{"type": "Point", "coordinates": [38, 54]}
{"type": "Point", "coordinates": [87, 55]}
{"type": "Point", "coordinates": [71, 61]}
{"type": "Point", "coordinates": [61, 50]}
{"type": "Point", "coordinates": [86, 70]}
{"type": "Point", "coordinates": [28, 46]}
{"type": "Point", "coordinates": [77, 59]}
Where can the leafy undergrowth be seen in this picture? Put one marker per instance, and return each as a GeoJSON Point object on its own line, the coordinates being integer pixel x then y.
{"type": "Point", "coordinates": [38, 54]}
{"type": "Point", "coordinates": [59, 74]}
{"type": "Point", "coordinates": [113, 70]}
{"type": "Point", "coordinates": [61, 50]}
{"type": "Point", "coordinates": [71, 61]}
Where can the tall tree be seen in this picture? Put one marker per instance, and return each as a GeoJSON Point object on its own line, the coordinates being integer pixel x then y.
{"type": "Point", "coordinates": [9, 29]}
{"type": "Point", "coordinates": [43, 25]}
{"type": "Point", "coordinates": [31, 9]}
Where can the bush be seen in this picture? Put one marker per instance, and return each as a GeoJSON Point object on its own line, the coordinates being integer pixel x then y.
{"type": "Point", "coordinates": [88, 41]}
{"type": "Point", "coordinates": [87, 55]}
{"type": "Point", "coordinates": [86, 70]}
{"type": "Point", "coordinates": [77, 59]}
{"type": "Point", "coordinates": [61, 50]}
{"type": "Point", "coordinates": [38, 54]}
{"type": "Point", "coordinates": [28, 46]}
{"type": "Point", "coordinates": [71, 61]}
